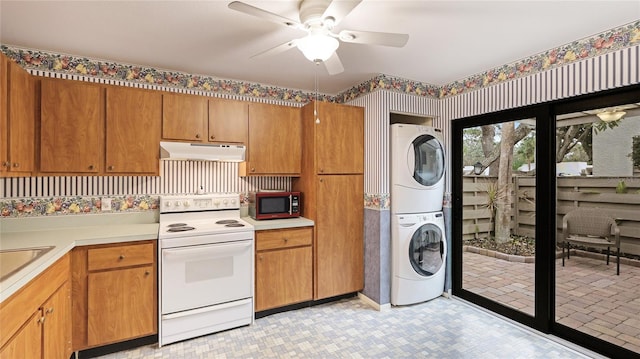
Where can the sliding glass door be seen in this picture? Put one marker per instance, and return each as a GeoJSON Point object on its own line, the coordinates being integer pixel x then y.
{"type": "Point", "coordinates": [546, 203]}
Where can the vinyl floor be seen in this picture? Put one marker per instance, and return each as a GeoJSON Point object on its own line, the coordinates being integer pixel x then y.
{"type": "Point", "coordinates": [350, 328]}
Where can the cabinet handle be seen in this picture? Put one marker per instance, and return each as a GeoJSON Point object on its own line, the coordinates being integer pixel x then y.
{"type": "Point", "coordinates": [5, 164]}
{"type": "Point", "coordinates": [121, 257]}
{"type": "Point", "coordinates": [110, 168]}
{"type": "Point", "coordinates": [213, 137]}
{"type": "Point", "coordinates": [91, 167]}
{"type": "Point", "coordinates": [260, 258]}
{"type": "Point", "coordinates": [41, 320]}
{"type": "Point", "coordinates": [286, 240]}
{"type": "Point", "coordinates": [253, 169]}
{"type": "Point", "coordinates": [146, 273]}
{"type": "Point", "coordinates": [321, 179]}
{"type": "Point", "coordinates": [197, 135]}
{"type": "Point", "coordinates": [321, 170]}
{"type": "Point", "coordinates": [49, 311]}
{"type": "Point", "coordinates": [16, 165]}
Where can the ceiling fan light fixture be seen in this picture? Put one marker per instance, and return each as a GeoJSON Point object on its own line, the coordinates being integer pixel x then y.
{"type": "Point", "coordinates": [318, 47]}
{"type": "Point", "coordinates": [610, 116]}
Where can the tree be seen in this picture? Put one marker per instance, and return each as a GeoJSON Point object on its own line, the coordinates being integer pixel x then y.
{"type": "Point", "coordinates": [503, 205]}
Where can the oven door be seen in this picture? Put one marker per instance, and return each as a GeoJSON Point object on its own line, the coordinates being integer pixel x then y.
{"type": "Point", "coordinates": [204, 275]}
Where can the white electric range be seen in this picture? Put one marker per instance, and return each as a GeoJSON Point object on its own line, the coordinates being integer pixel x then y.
{"type": "Point", "coordinates": [205, 265]}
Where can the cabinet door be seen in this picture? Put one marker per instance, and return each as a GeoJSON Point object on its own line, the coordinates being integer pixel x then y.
{"type": "Point", "coordinates": [27, 342]}
{"type": "Point", "coordinates": [57, 326]}
{"type": "Point", "coordinates": [19, 125]}
{"type": "Point", "coordinates": [228, 121]}
{"type": "Point", "coordinates": [121, 305]}
{"type": "Point", "coordinates": [72, 127]}
{"type": "Point", "coordinates": [283, 277]}
{"type": "Point", "coordinates": [339, 230]}
{"type": "Point", "coordinates": [339, 139]}
{"type": "Point", "coordinates": [4, 112]}
{"type": "Point", "coordinates": [274, 140]}
{"type": "Point", "coordinates": [184, 117]}
{"type": "Point", "coordinates": [134, 117]}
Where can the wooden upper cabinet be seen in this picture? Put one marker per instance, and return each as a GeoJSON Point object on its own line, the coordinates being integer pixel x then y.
{"type": "Point", "coordinates": [17, 121]}
{"type": "Point", "coordinates": [339, 138]}
{"type": "Point", "coordinates": [275, 145]}
{"type": "Point", "coordinates": [72, 127]}
{"type": "Point", "coordinates": [228, 121]}
{"type": "Point", "coordinates": [184, 117]}
{"type": "Point", "coordinates": [134, 118]}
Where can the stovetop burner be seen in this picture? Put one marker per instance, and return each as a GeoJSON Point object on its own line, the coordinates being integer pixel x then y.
{"type": "Point", "coordinates": [234, 225]}
{"type": "Point", "coordinates": [227, 221]}
{"type": "Point", "coordinates": [180, 229]}
{"type": "Point", "coordinates": [177, 225]}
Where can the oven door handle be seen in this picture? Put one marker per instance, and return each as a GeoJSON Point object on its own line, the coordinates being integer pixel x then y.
{"type": "Point", "coordinates": [209, 251]}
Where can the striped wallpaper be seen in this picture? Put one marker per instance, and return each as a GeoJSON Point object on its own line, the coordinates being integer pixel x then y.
{"type": "Point", "coordinates": [176, 177]}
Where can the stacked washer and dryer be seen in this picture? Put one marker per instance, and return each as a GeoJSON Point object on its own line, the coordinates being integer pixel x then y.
{"type": "Point", "coordinates": [418, 242]}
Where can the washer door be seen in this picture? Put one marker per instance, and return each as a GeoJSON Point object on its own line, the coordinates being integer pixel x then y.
{"type": "Point", "coordinates": [425, 158]}
{"type": "Point", "coordinates": [426, 250]}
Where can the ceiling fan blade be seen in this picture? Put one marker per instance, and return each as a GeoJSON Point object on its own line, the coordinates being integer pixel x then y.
{"type": "Point", "coordinates": [333, 64]}
{"type": "Point", "coordinates": [374, 38]}
{"type": "Point", "coordinates": [276, 50]}
{"type": "Point", "coordinates": [263, 14]}
{"type": "Point", "coordinates": [339, 9]}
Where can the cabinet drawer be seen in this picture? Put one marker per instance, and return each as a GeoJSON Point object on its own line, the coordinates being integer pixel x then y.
{"type": "Point", "coordinates": [120, 256]}
{"type": "Point", "coordinates": [283, 238]}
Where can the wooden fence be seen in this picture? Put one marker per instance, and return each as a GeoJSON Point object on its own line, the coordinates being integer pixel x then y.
{"type": "Point", "coordinates": [571, 192]}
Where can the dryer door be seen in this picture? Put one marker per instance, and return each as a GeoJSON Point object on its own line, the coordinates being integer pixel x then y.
{"type": "Point", "coordinates": [426, 250]}
{"type": "Point", "coordinates": [426, 160]}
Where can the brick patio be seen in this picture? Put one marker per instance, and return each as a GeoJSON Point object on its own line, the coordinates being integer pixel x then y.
{"type": "Point", "coordinates": [590, 297]}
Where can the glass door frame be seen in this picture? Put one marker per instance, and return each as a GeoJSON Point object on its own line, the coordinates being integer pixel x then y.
{"type": "Point", "coordinates": [544, 183]}
{"type": "Point", "coordinates": [545, 276]}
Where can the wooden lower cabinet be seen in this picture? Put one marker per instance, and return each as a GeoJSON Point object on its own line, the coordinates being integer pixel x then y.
{"type": "Point", "coordinates": [27, 342]}
{"type": "Point", "coordinates": [36, 321]}
{"type": "Point", "coordinates": [284, 267]}
{"type": "Point", "coordinates": [115, 296]}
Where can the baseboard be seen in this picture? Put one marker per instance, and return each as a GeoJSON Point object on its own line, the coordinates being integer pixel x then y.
{"type": "Point", "coordinates": [372, 303]}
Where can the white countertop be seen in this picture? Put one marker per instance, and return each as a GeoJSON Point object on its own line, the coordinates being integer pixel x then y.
{"type": "Point", "coordinates": [265, 224]}
{"type": "Point", "coordinates": [64, 233]}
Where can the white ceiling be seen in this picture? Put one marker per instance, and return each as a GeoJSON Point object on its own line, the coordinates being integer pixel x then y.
{"type": "Point", "coordinates": [448, 40]}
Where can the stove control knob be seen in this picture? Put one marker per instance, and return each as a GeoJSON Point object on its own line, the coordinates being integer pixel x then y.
{"type": "Point", "coordinates": [177, 203]}
{"type": "Point", "coordinates": [216, 202]}
{"type": "Point", "coordinates": [233, 201]}
{"type": "Point", "coordinates": [186, 204]}
{"type": "Point", "coordinates": [226, 201]}
{"type": "Point", "coordinates": [167, 203]}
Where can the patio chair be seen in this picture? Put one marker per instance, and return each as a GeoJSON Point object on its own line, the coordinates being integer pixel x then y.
{"type": "Point", "coordinates": [590, 227]}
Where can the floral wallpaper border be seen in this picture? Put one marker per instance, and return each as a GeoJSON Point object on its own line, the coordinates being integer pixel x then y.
{"type": "Point", "coordinates": [54, 206]}
{"type": "Point", "coordinates": [377, 201]}
{"type": "Point", "coordinates": [608, 41]}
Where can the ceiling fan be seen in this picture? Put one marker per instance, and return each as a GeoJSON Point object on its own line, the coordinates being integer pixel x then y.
{"type": "Point", "coordinates": [318, 18]}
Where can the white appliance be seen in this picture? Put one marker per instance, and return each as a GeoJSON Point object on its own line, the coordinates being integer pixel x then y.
{"type": "Point", "coordinates": [418, 261]}
{"type": "Point", "coordinates": [417, 169]}
{"type": "Point", "coordinates": [205, 265]}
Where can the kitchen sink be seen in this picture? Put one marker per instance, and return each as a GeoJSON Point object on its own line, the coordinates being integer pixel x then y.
{"type": "Point", "coordinates": [12, 260]}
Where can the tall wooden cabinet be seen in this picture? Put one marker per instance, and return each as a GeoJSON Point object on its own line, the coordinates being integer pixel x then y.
{"type": "Point", "coordinates": [184, 117]}
{"type": "Point", "coordinates": [332, 186]}
{"type": "Point", "coordinates": [17, 119]}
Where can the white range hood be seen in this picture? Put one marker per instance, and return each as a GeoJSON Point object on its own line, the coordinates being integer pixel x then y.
{"type": "Point", "coordinates": [201, 152]}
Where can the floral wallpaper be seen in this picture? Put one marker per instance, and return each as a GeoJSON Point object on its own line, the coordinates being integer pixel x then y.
{"type": "Point", "coordinates": [377, 201]}
{"type": "Point", "coordinates": [611, 40]}
{"type": "Point", "coordinates": [31, 207]}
